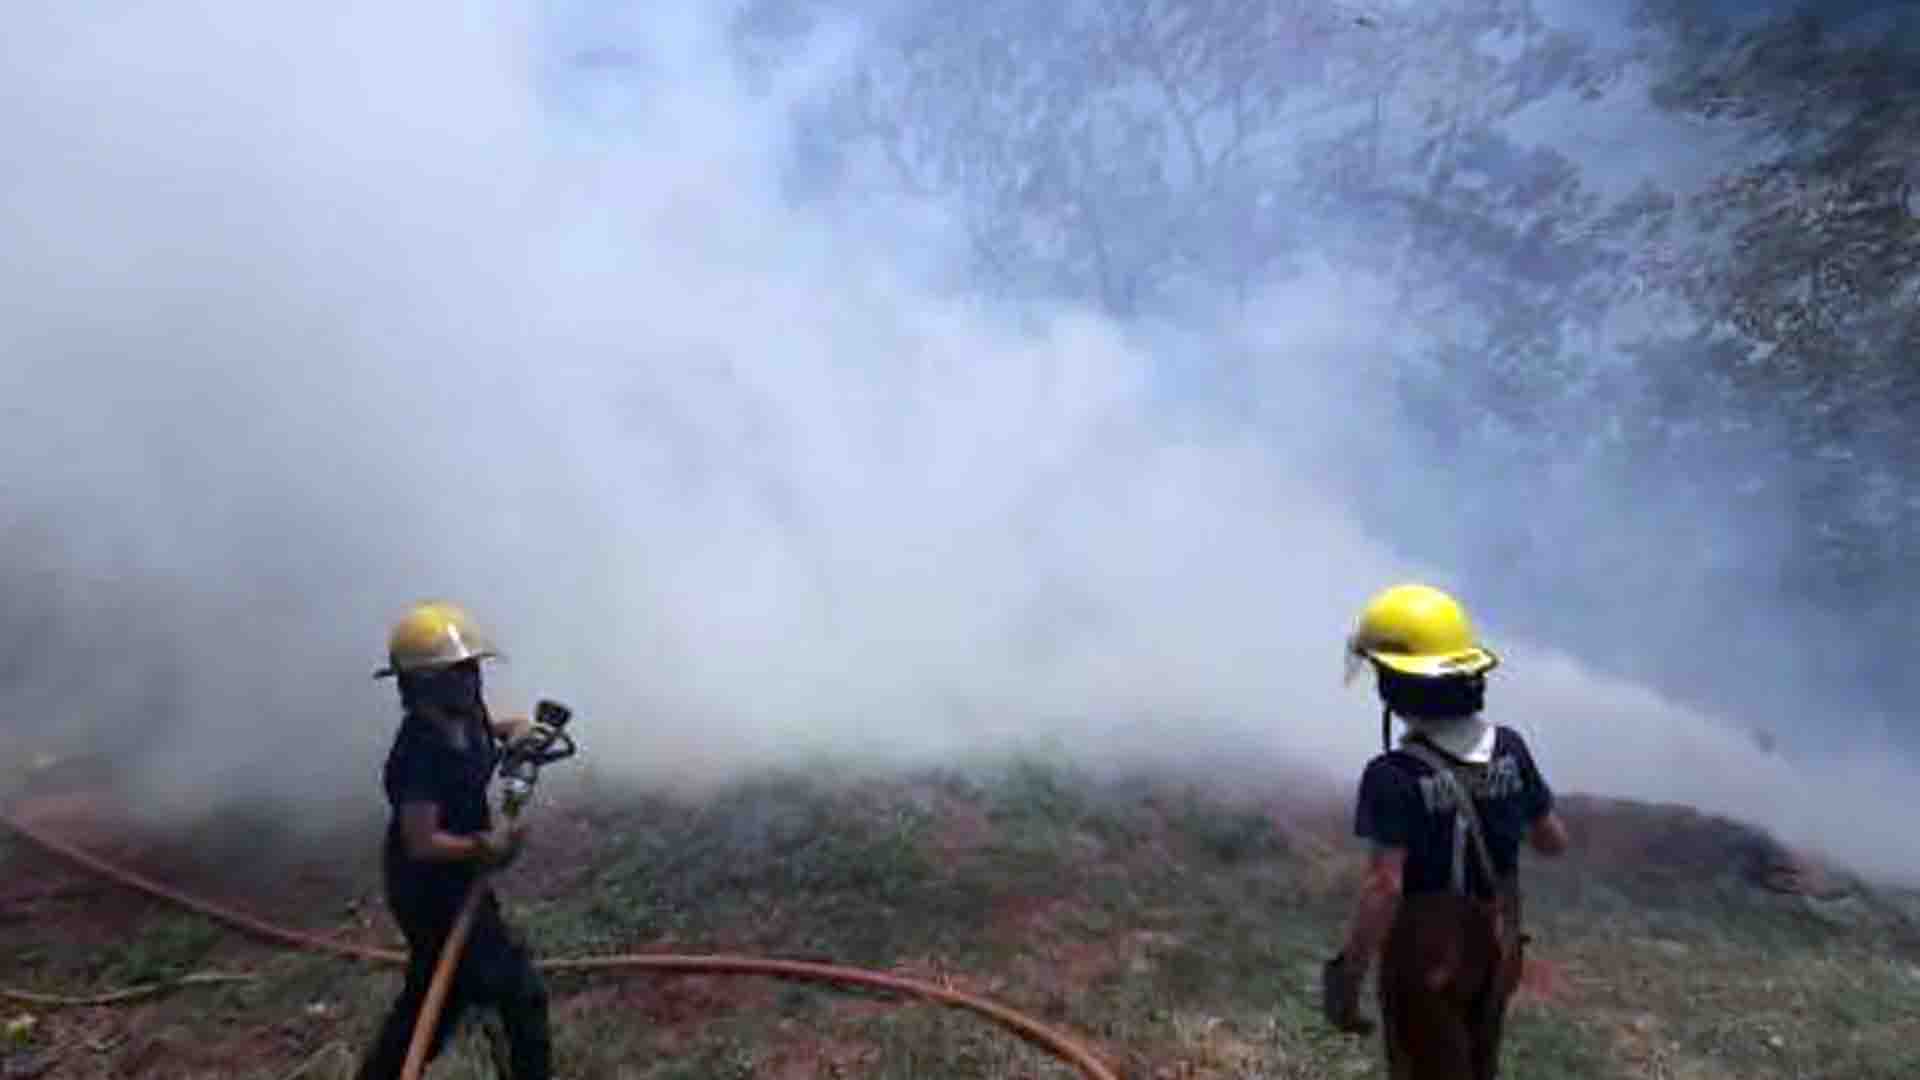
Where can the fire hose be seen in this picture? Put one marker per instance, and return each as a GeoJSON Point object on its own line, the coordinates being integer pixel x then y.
{"type": "Point", "coordinates": [519, 769]}
{"type": "Point", "coordinates": [1057, 1043]}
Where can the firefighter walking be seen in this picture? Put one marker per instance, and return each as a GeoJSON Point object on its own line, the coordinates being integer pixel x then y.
{"type": "Point", "coordinates": [1445, 811]}
{"type": "Point", "coordinates": [441, 835]}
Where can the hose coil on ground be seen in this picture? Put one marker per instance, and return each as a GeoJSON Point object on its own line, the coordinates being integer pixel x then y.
{"type": "Point", "coordinates": [1057, 1043]}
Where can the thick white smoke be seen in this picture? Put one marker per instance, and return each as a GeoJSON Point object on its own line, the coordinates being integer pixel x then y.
{"type": "Point", "coordinates": [312, 311]}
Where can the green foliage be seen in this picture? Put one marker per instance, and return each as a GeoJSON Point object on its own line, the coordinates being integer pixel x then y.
{"type": "Point", "coordinates": [1808, 260]}
{"type": "Point", "coordinates": [1546, 1045]}
{"type": "Point", "coordinates": [1131, 155]}
{"type": "Point", "coordinates": [167, 948]}
{"type": "Point", "coordinates": [1229, 834]}
{"type": "Point", "coordinates": [1192, 949]}
{"type": "Point", "coordinates": [768, 854]}
{"type": "Point", "coordinates": [1721, 363]}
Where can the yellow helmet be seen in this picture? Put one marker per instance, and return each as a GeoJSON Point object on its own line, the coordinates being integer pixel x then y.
{"type": "Point", "coordinates": [434, 635]}
{"type": "Point", "coordinates": [1418, 630]}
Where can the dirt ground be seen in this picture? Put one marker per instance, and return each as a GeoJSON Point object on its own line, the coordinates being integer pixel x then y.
{"type": "Point", "coordinates": [1126, 932]}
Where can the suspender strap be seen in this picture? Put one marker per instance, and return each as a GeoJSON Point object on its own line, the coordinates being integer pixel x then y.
{"type": "Point", "coordinates": [1466, 818]}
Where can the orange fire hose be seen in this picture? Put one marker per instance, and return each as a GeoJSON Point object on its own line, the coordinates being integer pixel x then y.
{"type": "Point", "coordinates": [1054, 1042]}
{"type": "Point", "coordinates": [428, 1017]}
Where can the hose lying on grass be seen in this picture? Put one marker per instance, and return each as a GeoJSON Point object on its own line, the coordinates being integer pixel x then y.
{"type": "Point", "coordinates": [116, 997]}
{"type": "Point", "coordinates": [1054, 1042]}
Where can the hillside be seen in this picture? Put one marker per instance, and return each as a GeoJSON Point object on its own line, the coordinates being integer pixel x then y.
{"type": "Point", "coordinates": [1177, 932]}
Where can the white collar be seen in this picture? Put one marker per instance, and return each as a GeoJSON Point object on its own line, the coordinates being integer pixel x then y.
{"type": "Point", "coordinates": [1469, 738]}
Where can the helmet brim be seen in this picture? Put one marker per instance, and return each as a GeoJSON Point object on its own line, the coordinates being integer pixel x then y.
{"type": "Point", "coordinates": [392, 670]}
{"type": "Point", "coordinates": [1476, 661]}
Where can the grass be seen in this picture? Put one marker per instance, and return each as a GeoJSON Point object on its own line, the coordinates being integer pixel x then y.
{"type": "Point", "coordinates": [1179, 932]}
{"type": "Point", "coordinates": [165, 948]}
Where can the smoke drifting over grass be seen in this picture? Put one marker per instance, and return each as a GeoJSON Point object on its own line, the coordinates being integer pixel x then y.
{"type": "Point", "coordinates": [308, 315]}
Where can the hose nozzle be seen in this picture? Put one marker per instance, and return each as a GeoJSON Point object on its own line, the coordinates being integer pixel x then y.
{"type": "Point", "coordinates": [520, 763]}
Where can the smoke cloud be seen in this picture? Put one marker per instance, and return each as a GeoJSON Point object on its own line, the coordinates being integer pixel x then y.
{"type": "Point", "coordinates": [311, 312]}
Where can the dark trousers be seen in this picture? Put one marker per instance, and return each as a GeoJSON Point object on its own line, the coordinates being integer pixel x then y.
{"type": "Point", "coordinates": [1449, 968]}
{"type": "Point", "coordinates": [495, 972]}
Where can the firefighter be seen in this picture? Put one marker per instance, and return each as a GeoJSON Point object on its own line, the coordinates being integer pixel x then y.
{"type": "Point", "coordinates": [1446, 812]}
{"type": "Point", "coordinates": [441, 835]}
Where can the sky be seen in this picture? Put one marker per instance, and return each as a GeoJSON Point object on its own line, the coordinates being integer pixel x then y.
{"type": "Point", "coordinates": [315, 311]}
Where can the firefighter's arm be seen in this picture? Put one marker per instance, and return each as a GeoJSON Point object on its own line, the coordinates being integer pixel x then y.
{"type": "Point", "coordinates": [1341, 977]}
{"type": "Point", "coordinates": [427, 842]}
{"type": "Point", "coordinates": [1548, 834]}
{"type": "Point", "coordinates": [1374, 909]}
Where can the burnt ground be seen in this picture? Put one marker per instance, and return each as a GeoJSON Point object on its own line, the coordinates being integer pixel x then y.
{"type": "Point", "coordinates": [1179, 933]}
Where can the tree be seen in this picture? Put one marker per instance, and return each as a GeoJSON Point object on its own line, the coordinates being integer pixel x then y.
{"type": "Point", "coordinates": [1805, 271]}
{"type": "Point", "coordinates": [1127, 152]}
{"type": "Point", "coordinates": [1136, 154]}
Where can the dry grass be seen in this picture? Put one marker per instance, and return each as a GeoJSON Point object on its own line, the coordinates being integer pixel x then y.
{"type": "Point", "coordinates": [1179, 933]}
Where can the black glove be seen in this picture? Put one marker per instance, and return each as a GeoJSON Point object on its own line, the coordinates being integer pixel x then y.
{"type": "Point", "coordinates": [1340, 996]}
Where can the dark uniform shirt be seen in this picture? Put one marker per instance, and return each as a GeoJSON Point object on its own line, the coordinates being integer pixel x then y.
{"type": "Point", "coordinates": [1403, 803]}
{"type": "Point", "coordinates": [424, 766]}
